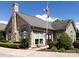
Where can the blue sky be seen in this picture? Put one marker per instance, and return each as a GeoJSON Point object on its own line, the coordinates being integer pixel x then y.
{"type": "Point", "coordinates": [62, 9]}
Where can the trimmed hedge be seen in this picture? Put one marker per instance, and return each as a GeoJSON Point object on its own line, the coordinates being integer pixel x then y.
{"type": "Point", "coordinates": [24, 43]}
{"type": "Point", "coordinates": [10, 45]}
{"type": "Point", "coordinates": [4, 41]}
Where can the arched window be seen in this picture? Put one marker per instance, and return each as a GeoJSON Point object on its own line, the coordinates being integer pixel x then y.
{"type": "Point", "coordinates": [24, 32]}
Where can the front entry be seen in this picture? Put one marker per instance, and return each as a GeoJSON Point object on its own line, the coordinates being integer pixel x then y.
{"type": "Point", "coordinates": [38, 42]}
{"type": "Point", "coordinates": [38, 39]}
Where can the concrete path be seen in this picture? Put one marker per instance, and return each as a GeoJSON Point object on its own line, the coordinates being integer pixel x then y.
{"type": "Point", "coordinates": [8, 52]}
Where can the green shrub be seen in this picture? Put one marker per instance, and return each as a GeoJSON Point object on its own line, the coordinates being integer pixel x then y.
{"type": "Point", "coordinates": [54, 49]}
{"type": "Point", "coordinates": [76, 50]}
{"type": "Point", "coordinates": [10, 45]}
{"type": "Point", "coordinates": [25, 43]}
{"type": "Point", "coordinates": [28, 42]}
{"type": "Point", "coordinates": [52, 44]}
{"type": "Point", "coordinates": [61, 50]}
{"type": "Point", "coordinates": [3, 41]}
{"type": "Point", "coordinates": [17, 42]}
{"type": "Point", "coordinates": [77, 34]}
{"type": "Point", "coordinates": [65, 41]}
{"type": "Point", "coordinates": [2, 35]}
{"type": "Point", "coordinates": [76, 44]}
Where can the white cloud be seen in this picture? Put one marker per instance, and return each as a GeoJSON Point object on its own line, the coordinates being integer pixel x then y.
{"type": "Point", "coordinates": [51, 19]}
{"type": "Point", "coordinates": [44, 17]}
{"type": "Point", "coordinates": [4, 22]}
{"type": "Point", "coordinates": [77, 25]}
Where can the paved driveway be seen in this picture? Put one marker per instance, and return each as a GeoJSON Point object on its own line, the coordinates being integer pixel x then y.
{"type": "Point", "coordinates": [7, 52]}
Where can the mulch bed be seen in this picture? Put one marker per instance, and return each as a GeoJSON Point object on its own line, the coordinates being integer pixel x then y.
{"type": "Point", "coordinates": [66, 51]}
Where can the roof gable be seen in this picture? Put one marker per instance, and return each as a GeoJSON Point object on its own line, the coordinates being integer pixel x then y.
{"type": "Point", "coordinates": [62, 24]}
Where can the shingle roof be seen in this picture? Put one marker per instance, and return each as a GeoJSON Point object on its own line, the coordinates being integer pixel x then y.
{"type": "Point", "coordinates": [60, 25]}
{"type": "Point", "coordinates": [34, 21]}
{"type": "Point", "coordinates": [37, 22]}
{"type": "Point", "coordinates": [2, 26]}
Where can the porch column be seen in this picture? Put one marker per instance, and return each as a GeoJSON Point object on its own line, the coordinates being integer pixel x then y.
{"type": "Point", "coordinates": [52, 37]}
{"type": "Point", "coordinates": [32, 39]}
{"type": "Point", "coordinates": [44, 39]}
{"type": "Point", "coordinates": [48, 39]}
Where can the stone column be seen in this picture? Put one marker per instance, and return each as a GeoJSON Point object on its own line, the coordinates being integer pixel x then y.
{"type": "Point", "coordinates": [44, 38]}
{"type": "Point", "coordinates": [32, 39]}
{"type": "Point", "coordinates": [52, 36]}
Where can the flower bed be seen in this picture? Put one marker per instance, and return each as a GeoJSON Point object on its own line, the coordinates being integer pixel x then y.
{"type": "Point", "coordinates": [62, 50]}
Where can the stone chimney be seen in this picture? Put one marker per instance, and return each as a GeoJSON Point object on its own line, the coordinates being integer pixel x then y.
{"type": "Point", "coordinates": [15, 9]}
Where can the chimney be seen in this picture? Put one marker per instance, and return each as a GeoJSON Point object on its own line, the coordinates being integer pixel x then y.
{"type": "Point", "coordinates": [15, 7]}
{"type": "Point", "coordinates": [15, 33]}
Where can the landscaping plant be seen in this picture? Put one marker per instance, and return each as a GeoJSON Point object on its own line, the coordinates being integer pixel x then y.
{"type": "Point", "coordinates": [65, 41]}
{"type": "Point", "coordinates": [52, 44]}
{"type": "Point", "coordinates": [76, 44]}
{"type": "Point", "coordinates": [2, 35]}
{"type": "Point", "coordinates": [25, 43]}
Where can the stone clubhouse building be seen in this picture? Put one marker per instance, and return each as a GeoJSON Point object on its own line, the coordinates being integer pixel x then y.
{"type": "Point", "coordinates": [21, 26]}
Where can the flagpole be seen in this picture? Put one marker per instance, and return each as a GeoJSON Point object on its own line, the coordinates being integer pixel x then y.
{"type": "Point", "coordinates": [48, 13]}
{"type": "Point", "coordinates": [47, 21]}
{"type": "Point", "coordinates": [47, 29]}
{"type": "Point", "coordinates": [47, 25]}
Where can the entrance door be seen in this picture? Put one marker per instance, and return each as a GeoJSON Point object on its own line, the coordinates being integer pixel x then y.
{"type": "Point", "coordinates": [38, 39]}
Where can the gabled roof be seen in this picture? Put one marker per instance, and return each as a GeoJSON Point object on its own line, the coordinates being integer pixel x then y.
{"type": "Point", "coordinates": [37, 22]}
{"type": "Point", "coordinates": [62, 24]}
{"type": "Point", "coordinates": [2, 26]}
{"type": "Point", "coordinates": [34, 21]}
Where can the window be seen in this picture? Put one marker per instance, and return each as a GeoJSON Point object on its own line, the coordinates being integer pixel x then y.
{"type": "Point", "coordinates": [41, 41]}
{"type": "Point", "coordinates": [38, 38]}
{"type": "Point", "coordinates": [38, 35]}
{"type": "Point", "coordinates": [24, 32]}
{"type": "Point", "coordinates": [36, 41]}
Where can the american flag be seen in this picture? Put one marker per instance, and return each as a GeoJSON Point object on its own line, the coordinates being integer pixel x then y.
{"type": "Point", "coordinates": [47, 10]}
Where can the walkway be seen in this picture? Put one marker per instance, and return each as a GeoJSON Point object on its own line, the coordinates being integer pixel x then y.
{"type": "Point", "coordinates": [8, 52]}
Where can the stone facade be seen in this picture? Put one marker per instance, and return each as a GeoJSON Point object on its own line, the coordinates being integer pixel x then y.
{"type": "Point", "coordinates": [71, 31]}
